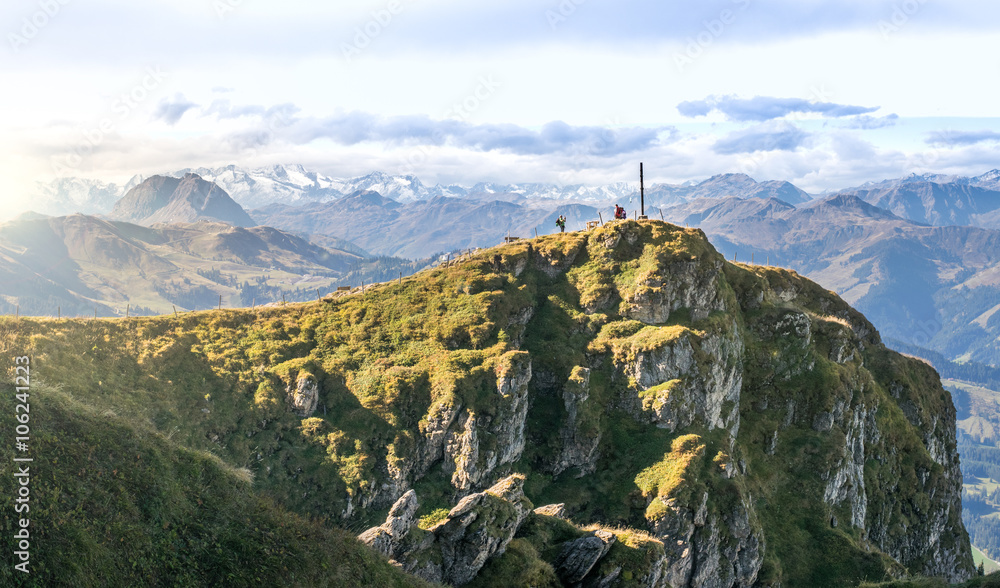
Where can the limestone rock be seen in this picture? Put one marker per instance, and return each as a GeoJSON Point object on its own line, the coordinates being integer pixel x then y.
{"type": "Point", "coordinates": [388, 537]}
{"type": "Point", "coordinates": [304, 395]}
{"type": "Point", "coordinates": [463, 459]}
{"type": "Point", "coordinates": [579, 442]}
{"type": "Point", "coordinates": [479, 527]}
{"type": "Point", "coordinates": [682, 284]}
{"type": "Point", "coordinates": [579, 556]}
{"type": "Point", "coordinates": [552, 510]}
{"type": "Point", "coordinates": [679, 390]}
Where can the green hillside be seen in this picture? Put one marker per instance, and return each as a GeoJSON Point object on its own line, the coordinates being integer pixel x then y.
{"type": "Point", "coordinates": [726, 421]}
{"type": "Point", "coordinates": [114, 503]}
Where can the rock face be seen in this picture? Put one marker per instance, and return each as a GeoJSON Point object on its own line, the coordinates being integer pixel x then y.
{"type": "Point", "coordinates": [388, 537]}
{"type": "Point", "coordinates": [579, 441]}
{"type": "Point", "coordinates": [304, 395]}
{"type": "Point", "coordinates": [454, 550]}
{"type": "Point", "coordinates": [578, 557]}
{"type": "Point", "coordinates": [682, 284]}
{"type": "Point", "coordinates": [462, 456]}
{"type": "Point", "coordinates": [676, 390]}
{"type": "Point", "coordinates": [748, 423]}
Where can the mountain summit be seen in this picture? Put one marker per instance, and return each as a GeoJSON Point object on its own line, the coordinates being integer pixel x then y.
{"type": "Point", "coordinates": [163, 199]}
{"type": "Point", "coordinates": [712, 423]}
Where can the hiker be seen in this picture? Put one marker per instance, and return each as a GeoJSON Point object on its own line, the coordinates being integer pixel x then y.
{"type": "Point", "coordinates": [561, 223]}
{"type": "Point", "coordinates": [619, 213]}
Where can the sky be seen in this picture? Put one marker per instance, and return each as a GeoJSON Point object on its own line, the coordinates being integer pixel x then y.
{"type": "Point", "coordinates": [826, 95]}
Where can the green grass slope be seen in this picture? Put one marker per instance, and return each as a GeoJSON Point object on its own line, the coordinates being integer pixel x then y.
{"type": "Point", "coordinates": [113, 504]}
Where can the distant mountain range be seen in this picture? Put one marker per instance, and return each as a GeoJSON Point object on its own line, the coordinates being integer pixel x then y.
{"type": "Point", "coordinates": [80, 264]}
{"type": "Point", "coordinates": [938, 200]}
{"type": "Point", "coordinates": [932, 287]}
{"type": "Point", "coordinates": [932, 198]}
{"type": "Point", "coordinates": [78, 195]}
{"type": "Point", "coordinates": [294, 184]}
{"type": "Point", "coordinates": [724, 186]}
{"type": "Point", "coordinates": [419, 229]}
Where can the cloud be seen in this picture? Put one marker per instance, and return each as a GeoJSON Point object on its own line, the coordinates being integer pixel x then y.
{"type": "Point", "coordinates": [171, 110]}
{"type": "Point", "coordinates": [95, 32]}
{"type": "Point", "coordinates": [763, 108]}
{"type": "Point", "coordinates": [949, 138]}
{"type": "Point", "coordinates": [224, 109]}
{"type": "Point", "coordinates": [868, 123]}
{"type": "Point", "coordinates": [351, 128]}
{"type": "Point", "coordinates": [767, 137]}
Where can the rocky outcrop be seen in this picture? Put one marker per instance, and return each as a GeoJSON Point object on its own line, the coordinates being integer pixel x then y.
{"type": "Point", "coordinates": [682, 284]}
{"type": "Point", "coordinates": [846, 480]}
{"type": "Point", "coordinates": [676, 389]}
{"type": "Point", "coordinates": [578, 557]}
{"type": "Point", "coordinates": [552, 510]}
{"type": "Point", "coordinates": [706, 547]}
{"type": "Point", "coordinates": [389, 537]}
{"type": "Point", "coordinates": [463, 459]}
{"type": "Point", "coordinates": [924, 537]}
{"type": "Point", "coordinates": [479, 527]}
{"type": "Point", "coordinates": [728, 551]}
{"type": "Point", "coordinates": [580, 434]}
{"type": "Point", "coordinates": [304, 395]}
